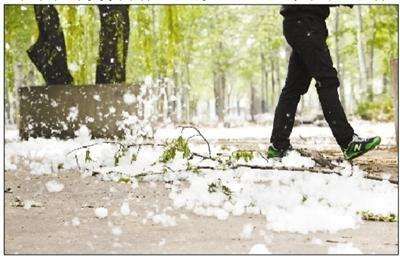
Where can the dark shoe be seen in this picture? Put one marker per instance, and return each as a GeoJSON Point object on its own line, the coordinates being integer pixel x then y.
{"type": "Point", "coordinates": [277, 153]}
{"type": "Point", "coordinates": [359, 146]}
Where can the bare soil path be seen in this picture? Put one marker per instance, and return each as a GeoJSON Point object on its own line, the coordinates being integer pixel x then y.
{"type": "Point", "coordinates": [49, 229]}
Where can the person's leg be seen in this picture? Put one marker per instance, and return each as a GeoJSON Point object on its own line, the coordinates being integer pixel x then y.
{"type": "Point", "coordinates": [315, 54]}
{"type": "Point", "coordinates": [297, 83]}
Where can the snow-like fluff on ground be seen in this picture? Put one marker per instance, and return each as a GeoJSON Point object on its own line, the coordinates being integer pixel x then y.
{"type": "Point", "coordinates": [294, 159]}
{"type": "Point", "coordinates": [125, 210]}
{"type": "Point", "coordinates": [290, 201]}
{"type": "Point", "coordinates": [54, 186]}
{"type": "Point", "coordinates": [347, 248]}
{"type": "Point", "coordinates": [247, 231]}
{"type": "Point", "coordinates": [116, 231]}
{"type": "Point", "coordinates": [294, 202]}
{"type": "Point", "coordinates": [259, 249]}
{"type": "Point", "coordinates": [164, 219]}
{"type": "Point", "coordinates": [75, 221]}
{"type": "Point", "coordinates": [101, 212]}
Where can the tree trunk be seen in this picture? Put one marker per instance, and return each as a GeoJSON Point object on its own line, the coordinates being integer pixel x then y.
{"type": "Point", "coordinates": [185, 95]}
{"type": "Point", "coordinates": [113, 44]}
{"type": "Point", "coordinates": [253, 108]}
{"type": "Point", "coordinates": [361, 52]}
{"type": "Point", "coordinates": [384, 83]}
{"type": "Point", "coordinates": [337, 57]}
{"type": "Point", "coordinates": [49, 52]}
{"type": "Point", "coordinates": [370, 71]}
{"type": "Point", "coordinates": [263, 82]}
{"type": "Point", "coordinates": [272, 83]}
{"type": "Point", "coordinates": [219, 94]}
{"type": "Point", "coordinates": [278, 74]}
{"type": "Point", "coordinates": [219, 88]}
{"type": "Point", "coordinates": [174, 93]}
{"type": "Point", "coordinates": [395, 86]}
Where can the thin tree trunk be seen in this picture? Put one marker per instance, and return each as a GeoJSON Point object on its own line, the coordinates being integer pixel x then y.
{"type": "Point", "coordinates": [113, 44]}
{"type": "Point", "coordinates": [278, 74]}
{"type": "Point", "coordinates": [337, 57]}
{"type": "Point", "coordinates": [384, 83]}
{"type": "Point", "coordinates": [156, 71]}
{"type": "Point", "coordinates": [263, 82]}
{"type": "Point", "coordinates": [49, 53]}
{"type": "Point", "coordinates": [219, 89]}
{"type": "Point", "coordinates": [370, 74]}
{"type": "Point", "coordinates": [265, 74]}
{"type": "Point", "coordinates": [253, 108]}
{"type": "Point", "coordinates": [186, 92]}
{"type": "Point", "coordinates": [361, 52]}
{"type": "Point", "coordinates": [272, 83]}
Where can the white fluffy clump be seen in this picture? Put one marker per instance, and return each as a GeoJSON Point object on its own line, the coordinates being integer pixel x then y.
{"type": "Point", "coordinates": [83, 135]}
{"type": "Point", "coordinates": [54, 186]}
{"type": "Point", "coordinates": [294, 202]}
{"type": "Point", "coordinates": [247, 231]}
{"type": "Point", "coordinates": [259, 249]}
{"type": "Point", "coordinates": [294, 159]}
{"type": "Point", "coordinates": [129, 98]}
{"type": "Point", "coordinates": [162, 242]}
{"type": "Point", "coordinates": [346, 248]}
{"type": "Point", "coordinates": [116, 231]}
{"type": "Point", "coordinates": [316, 241]}
{"type": "Point", "coordinates": [75, 221]}
{"type": "Point", "coordinates": [125, 210]}
{"type": "Point", "coordinates": [311, 219]}
{"type": "Point", "coordinates": [101, 212]}
{"type": "Point", "coordinates": [73, 114]}
{"type": "Point", "coordinates": [164, 219]}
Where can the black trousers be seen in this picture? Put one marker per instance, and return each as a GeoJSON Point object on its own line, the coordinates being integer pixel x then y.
{"type": "Point", "coordinates": [310, 58]}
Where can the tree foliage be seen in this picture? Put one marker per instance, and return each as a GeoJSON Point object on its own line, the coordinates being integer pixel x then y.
{"type": "Point", "coordinates": [211, 51]}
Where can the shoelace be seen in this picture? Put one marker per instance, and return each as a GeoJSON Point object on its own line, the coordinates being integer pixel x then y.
{"type": "Point", "coordinates": [357, 138]}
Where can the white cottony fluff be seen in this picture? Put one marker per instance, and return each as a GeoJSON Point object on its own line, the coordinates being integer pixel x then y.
{"type": "Point", "coordinates": [129, 98]}
{"type": "Point", "coordinates": [54, 186]}
{"type": "Point", "coordinates": [315, 240]}
{"type": "Point", "coordinates": [247, 231]}
{"type": "Point", "coordinates": [162, 242]}
{"type": "Point", "coordinates": [125, 210]}
{"type": "Point", "coordinates": [101, 212]}
{"type": "Point", "coordinates": [75, 221]}
{"type": "Point", "coordinates": [116, 231]}
{"type": "Point", "coordinates": [346, 248]}
{"type": "Point", "coordinates": [290, 201]}
{"type": "Point", "coordinates": [259, 249]}
{"type": "Point", "coordinates": [164, 219]}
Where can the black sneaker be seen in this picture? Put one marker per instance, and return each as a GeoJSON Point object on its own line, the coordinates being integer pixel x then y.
{"type": "Point", "coordinates": [359, 146]}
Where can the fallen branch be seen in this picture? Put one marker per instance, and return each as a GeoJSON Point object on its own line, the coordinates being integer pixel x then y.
{"type": "Point", "coordinates": [316, 156]}
{"type": "Point", "coordinates": [200, 134]}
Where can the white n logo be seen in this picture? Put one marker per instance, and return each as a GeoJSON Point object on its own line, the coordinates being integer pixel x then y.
{"type": "Point", "coordinates": [357, 147]}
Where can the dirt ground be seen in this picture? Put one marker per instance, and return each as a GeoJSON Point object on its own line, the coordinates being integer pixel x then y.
{"type": "Point", "coordinates": [49, 229]}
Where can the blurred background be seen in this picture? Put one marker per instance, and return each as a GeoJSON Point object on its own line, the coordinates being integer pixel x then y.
{"type": "Point", "coordinates": [223, 64]}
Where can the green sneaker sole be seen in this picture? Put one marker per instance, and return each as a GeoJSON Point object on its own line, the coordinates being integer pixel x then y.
{"type": "Point", "coordinates": [375, 142]}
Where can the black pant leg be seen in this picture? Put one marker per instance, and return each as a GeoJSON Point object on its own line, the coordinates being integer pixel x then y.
{"type": "Point", "coordinates": [335, 115]}
{"type": "Point", "coordinates": [309, 40]}
{"type": "Point", "coordinates": [297, 84]}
